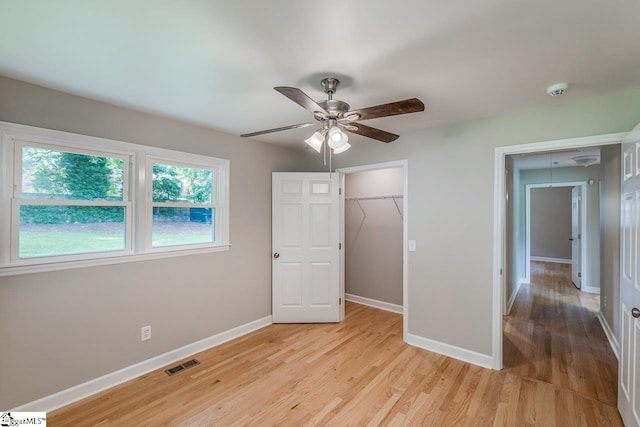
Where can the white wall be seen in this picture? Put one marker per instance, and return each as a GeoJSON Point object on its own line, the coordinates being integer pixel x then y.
{"type": "Point", "coordinates": [450, 212]}
{"type": "Point", "coordinates": [373, 238]}
{"type": "Point", "coordinates": [62, 328]}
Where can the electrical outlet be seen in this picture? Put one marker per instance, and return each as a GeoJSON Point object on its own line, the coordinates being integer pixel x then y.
{"type": "Point", "coordinates": [145, 333]}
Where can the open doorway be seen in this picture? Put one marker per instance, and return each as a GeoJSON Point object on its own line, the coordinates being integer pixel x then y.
{"type": "Point", "coordinates": [374, 230]}
{"type": "Point", "coordinates": [552, 329]}
{"type": "Point", "coordinates": [557, 229]}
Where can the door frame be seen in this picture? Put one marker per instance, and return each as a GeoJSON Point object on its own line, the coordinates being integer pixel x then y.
{"type": "Point", "coordinates": [404, 164]}
{"type": "Point", "coordinates": [499, 218]}
{"type": "Point", "coordinates": [583, 225]}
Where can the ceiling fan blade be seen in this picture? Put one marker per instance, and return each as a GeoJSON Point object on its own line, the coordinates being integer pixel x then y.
{"type": "Point", "coordinates": [302, 99]}
{"type": "Point", "coordinates": [412, 105]}
{"type": "Point", "coordinates": [369, 132]}
{"type": "Point", "coordinates": [262, 132]}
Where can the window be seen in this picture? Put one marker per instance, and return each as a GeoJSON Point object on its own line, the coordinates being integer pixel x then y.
{"type": "Point", "coordinates": [76, 200]}
{"type": "Point", "coordinates": [69, 202]}
{"type": "Point", "coordinates": [183, 204]}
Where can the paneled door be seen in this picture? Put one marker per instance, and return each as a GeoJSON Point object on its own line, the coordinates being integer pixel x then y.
{"type": "Point", "coordinates": [629, 368]}
{"type": "Point", "coordinates": [576, 236]}
{"type": "Point", "coordinates": [306, 247]}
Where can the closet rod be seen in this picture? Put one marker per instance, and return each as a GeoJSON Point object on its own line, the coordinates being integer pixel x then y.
{"type": "Point", "coordinates": [364, 214]}
{"type": "Point", "coordinates": [374, 197]}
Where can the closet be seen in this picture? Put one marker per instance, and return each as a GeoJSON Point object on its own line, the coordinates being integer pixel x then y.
{"type": "Point", "coordinates": [373, 237]}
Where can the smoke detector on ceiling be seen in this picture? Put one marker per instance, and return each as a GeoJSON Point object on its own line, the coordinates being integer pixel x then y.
{"type": "Point", "coordinates": [557, 89]}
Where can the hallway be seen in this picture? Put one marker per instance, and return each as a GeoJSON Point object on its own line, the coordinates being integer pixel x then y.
{"type": "Point", "coordinates": [553, 335]}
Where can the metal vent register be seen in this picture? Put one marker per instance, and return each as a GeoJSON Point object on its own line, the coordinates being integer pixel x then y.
{"type": "Point", "coordinates": [182, 367]}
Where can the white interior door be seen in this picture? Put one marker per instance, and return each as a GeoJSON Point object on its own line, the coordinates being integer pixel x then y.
{"type": "Point", "coordinates": [629, 364]}
{"type": "Point", "coordinates": [306, 253]}
{"type": "Point", "coordinates": [576, 236]}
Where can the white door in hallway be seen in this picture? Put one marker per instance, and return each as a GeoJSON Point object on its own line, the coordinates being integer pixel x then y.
{"type": "Point", "coordinates": [629, 366]}
{"type": "Point", "coordinates": [576, 237]}
{"type": "Point", "coordinates": [306, 254]}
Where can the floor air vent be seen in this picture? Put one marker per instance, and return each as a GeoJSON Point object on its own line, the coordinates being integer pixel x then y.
{"type": "Point", "coordinates": [179, 368]}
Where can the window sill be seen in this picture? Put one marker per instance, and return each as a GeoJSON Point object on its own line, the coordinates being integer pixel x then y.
{"type": "Point", "coordinates": [42, 268]}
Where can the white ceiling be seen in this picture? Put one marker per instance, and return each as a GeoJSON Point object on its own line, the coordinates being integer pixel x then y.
{"type": "Point", "coordinates": [215, 62]}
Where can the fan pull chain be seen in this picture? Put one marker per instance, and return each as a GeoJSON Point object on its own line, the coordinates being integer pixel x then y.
{"type": "Point", "coordinates": [330, 157]}
{"type": "Point", "coordinates": [324, 151]}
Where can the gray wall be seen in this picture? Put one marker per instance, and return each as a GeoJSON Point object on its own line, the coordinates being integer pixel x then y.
{"type": "Point", "coordinates": [450, 212]}
{"type": "Point", "coordinates": [62, 328]}
{"type": "Point", "coordinates": [610, 236]}
{"type": "Point", "coordinates": [373, 243]}
{"type": "Point", "coordinates": [88, 319]}
{"type": "Point", "coordinates": [551, 222]}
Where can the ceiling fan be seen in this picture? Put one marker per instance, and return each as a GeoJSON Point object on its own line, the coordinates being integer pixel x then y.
{"type": "Point", "coordinates": [335, 117]}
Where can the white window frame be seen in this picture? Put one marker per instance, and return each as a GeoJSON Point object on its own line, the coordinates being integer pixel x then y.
{"type": "Point", "coordinates": [17, 201]}
{"type": "Point", "coordinates": [190, 161]}
{"type": "Point", "coordinates": [137, 189]}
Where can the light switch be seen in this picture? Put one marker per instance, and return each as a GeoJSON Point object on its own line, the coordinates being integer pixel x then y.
{"type": "Point", "coordinates": [412, 245]}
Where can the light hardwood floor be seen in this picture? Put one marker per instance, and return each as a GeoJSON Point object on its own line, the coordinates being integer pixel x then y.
{"type": "Point", "coordinates": [358, 372]}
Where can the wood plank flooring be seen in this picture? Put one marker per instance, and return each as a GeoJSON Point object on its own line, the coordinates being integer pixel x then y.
{"type": "Point", "coordinates": [553, 335]}
{"type": "Point", "coordinates": [358, 372]}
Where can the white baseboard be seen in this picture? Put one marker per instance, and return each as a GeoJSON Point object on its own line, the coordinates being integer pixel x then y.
{"type": "Point", "coordinates": [514, 295]}
{"type": "Point", "coordinates": [80, 391]}
{"type": "Point", "coordinates": [548, 259]}
{"type": "Point", "coordinates": [465, 355]}
{"type": "Point", "coordinates": [613, 342]}
{"type": "Point", "coordinates": [387, 306]}
{"type": "Point", "coordinates": [590, 289]}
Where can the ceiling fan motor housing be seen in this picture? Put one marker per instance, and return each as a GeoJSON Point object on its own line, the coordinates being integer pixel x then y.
{"type": "Point", "coordinates": [334, 107]}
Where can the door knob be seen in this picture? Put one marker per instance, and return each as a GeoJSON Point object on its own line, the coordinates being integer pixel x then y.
{"type": "Point", "coordinates": [277, 255]}
{"type": "Point", "coordinates": [635, 312]}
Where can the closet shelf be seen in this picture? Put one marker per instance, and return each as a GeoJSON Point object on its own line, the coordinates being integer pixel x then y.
{"type": "Point", "coordinates": [399, 196]}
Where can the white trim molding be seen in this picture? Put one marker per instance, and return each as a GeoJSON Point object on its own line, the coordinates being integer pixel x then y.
{"type": "Point", "coordinates": [479, 359]}
{"type": "Point", "coordinates": [613, 342]}
{"type": "Point", "coordinates": [80, 391]}
{"type": "Point", "coordinates": [382, 305]}
{"type": "Point", "coordinates": [590, 289]}
{"type": "Point", "coordinates": [549, 259]}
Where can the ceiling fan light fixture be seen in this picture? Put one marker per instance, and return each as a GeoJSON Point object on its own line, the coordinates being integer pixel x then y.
{"type": "Point", "coordinates": [342, 149]}
{"type": "Point", "coordinates": [315, 141]}
{"type": "Point", "coordinates": [337, 138]}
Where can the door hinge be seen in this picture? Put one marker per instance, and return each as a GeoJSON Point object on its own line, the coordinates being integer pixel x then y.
{"type": "Point", "coordinates": [340, 191]}
{"type": "Point", "coordinates": [339, 301]}
{"type": "Point", "coordinates": [501, 272]}
{"type": "Point", "coordinates": [339, 246]}
{"type": "Point", "coordinates": [580, 275]}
